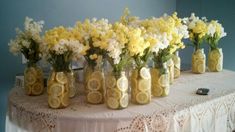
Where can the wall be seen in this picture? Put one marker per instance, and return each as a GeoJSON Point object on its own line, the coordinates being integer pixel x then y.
{"type": "Point", "coordinates": [59, 12]}
{"type": "Point", "coordinates": [213, 9]}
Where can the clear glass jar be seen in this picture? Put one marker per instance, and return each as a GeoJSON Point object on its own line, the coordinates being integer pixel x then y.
{"type": "Point", "coordinates": [33, 80]}
{"type": "Point", "coordinates": [116, 90]}
{"type": "Point", "coordinates": [199, 61]}
{"type": "Point", "coordinates": [215, 60]}
{"type": "Point", "coordinates": [58, 89]}
{"type": "Point", "coordinates": [140, 86]}
{"type": "Point", "coordinates": [170, 65]}
{"type": "Point", "coordinates": [94, 84]}
{"type": "Point", "coordinates": [160, 80]}
{"type": "Point", "coordinates": [177, 64]}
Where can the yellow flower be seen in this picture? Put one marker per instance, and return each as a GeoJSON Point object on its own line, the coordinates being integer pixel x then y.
{"type": "Point", "coordinates": [200, 28]}
{"type": "Point", "coordinates": [93, 57]}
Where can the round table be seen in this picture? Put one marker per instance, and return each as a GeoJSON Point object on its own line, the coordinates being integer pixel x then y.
{"type": "Point", "coordinates": [182, 110]}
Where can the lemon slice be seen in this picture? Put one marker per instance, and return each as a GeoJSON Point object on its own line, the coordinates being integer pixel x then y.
{"type": "Point", "coordinates": [93, 84]}
{"type": "Point", "coordinates": [166, 91]}
{"type": "Point", "coordinates": [30, 78]}
{"type": "Point", "coordinates": [219, 67]}
{"type": "Point", "coordinates": [37, 88]}
{"type": "Point", "coordinates": [39, 72]}
{"type": "Point", "coordinates": [144, 73]}
{"type": "Point", "coordinates": [54, 102]}
{"type": "Point", "coordinates": [157, 91]}
{"type": "Point", "coordinates": [112, 103]}
{"type": "Point", "coordinates": [215, 54]}
{"type": "Point", "coordinates": [61, 77]}
{"type": "Point", "coordinates": [56, 89]}
{"type": "Point", "coordinates": [97, 75]}
{"type": "Point", "coordinates": [201, 68]}
{"type": "Point", "coordinates": [65, 100]}
{"type": "Point", "coordinates": [122, 83]}
{"type": "Point", "coordinates": [124, 100]}
{"type": "Point", "coordinates": [142, 98]}
{"type": "Point", "coordinates": [176, 72]}
{"type": "Point", "coordinates": [163, 80]}
{"type": "Point", "coordinates": [31, 70]}
{"type": "Point", "coordinates": [28, 89]}
{"type": "Point", "coordinates": [212, 65]}
{"type": "Point", "coordinates": [144, 84]}
{"type": "Point", "coordinates": [110, 82]}
{"type": "Point", "coordinates": [94, 97]}
{"type": "Point", "coordinates": [114, 92]}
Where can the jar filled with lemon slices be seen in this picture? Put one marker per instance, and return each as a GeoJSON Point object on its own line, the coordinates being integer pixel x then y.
{"type": "Point", "coordinates": [58, 89]}
{"type": "Point", "coordinates": [94, 83]}
{"type": "Point", "coordinates": [215, 60]}
{"type": "Point", "coordinates": [199, 61]}
{"type": "Point", "coordinates": [33, 80]}
{"type": "Point", "coordinates": [160, 80]}
{"type": "Point", "coordinates": [116, 90]}
{"type": "Point", "coordinates": [170, 65]}
{"type": "Point", "coordinates": [177, 64]}
{"type": "Point", "coordinates": [140, 86]}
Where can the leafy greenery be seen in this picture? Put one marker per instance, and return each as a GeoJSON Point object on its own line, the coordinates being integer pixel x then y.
{"type": "Point", "coordinates": [60, 62]}
{"type": "Point", "coordinates": [32, 54]}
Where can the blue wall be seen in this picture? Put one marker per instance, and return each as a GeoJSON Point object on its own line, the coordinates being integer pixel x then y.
{"type": "Point", "coordinates": [59, 12]}
{"type": "Point", "coordinates": [222, 10]}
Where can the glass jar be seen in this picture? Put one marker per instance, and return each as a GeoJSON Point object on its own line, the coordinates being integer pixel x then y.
{"type": "Point", "coordinates": [72, 84]}
{"type": "Point", "coordinates": [116, 90]}
{"type": "Point", "coordinates": [94, 84]}
{"type": "Point", "coordinates": [215, 60]}
{"type": "Point", "coordinates": [199, 61]}
{"type": "Point", "coordinates": [58, 90]}
{"type": "Point", "coordinates": [170, 65]}
{"type": "Point", "coordinates": [177, 64]}
{"type": "Point", "coordinates": [140, 86]}
{"type": "Point", "coordinates": [33, 80]}
{"type": "Point", "coordinates": [160, 80]}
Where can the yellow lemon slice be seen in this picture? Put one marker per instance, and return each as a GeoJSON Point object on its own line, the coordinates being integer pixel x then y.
{"type": "Point", "coordinates": [110, 82]}
{"type": "Point", "coordinates": [112, 103]}
{"type": "Point", "coordinates": [176, 72]}
{"type": "Point", "coordinates": [157, 91]}
{"type": "Point", "coordinates": [32, 71]}
{"type": "Point", "coordinates": [219, 67]}
{"type": "Point", "coordinates": [144, 84]}
{"type": "Point", "coordinates": [39, 72]}
{"type": "Point", "coordinates": [142, 98]}
{"type": "Point", "coordinates": [166, 91]}
{"type": "Point", "coordinates": [61, 77]}
{"type": "Point", "coordinates": [93, 84]}
{"type": "Point", "coordinates": [124, 100]}
{"type": "Point", "coordinates": [28, 89]}
{"type": "Point", "coordinates": [56, 89]}
{"type": "Point", "coordinates": [30, 78]}
{"type": "Point", "coordinates": [144, 73]}
{"type": "Point", "coordinates": [54, 102]}
{"type": "Point", "coordinates": [37, 88]}
{"type": "Point", "coordinates": [114, 92]}
{"type": "Point", "coordinates": [215, 54]}
{"type": "Point", "coordinates": [97, 75]}
{"type": "Point", "coordinates": [163, 80]}
{"type": "Point", "coordinates": [211, 65]}
{"type": "Point", "coordinates": [201, 68]}
{"type": "Point", "coordinates": [122, 83]}
{"type": "Point", "coordinates": [94, 97]}
{"type": "Point", "coordinates": [64, 99]}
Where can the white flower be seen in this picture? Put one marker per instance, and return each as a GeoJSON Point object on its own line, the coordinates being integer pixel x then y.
{"type": "Point", "coordinates": [183, 30]}
{"type": "Point", "coordinates": [211, 30]}
{"type": "Point", "coordinates": [114, 50]}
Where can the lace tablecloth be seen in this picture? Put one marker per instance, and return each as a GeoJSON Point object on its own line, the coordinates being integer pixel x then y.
{"type": "Point", "coordinates": [181, 111]}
